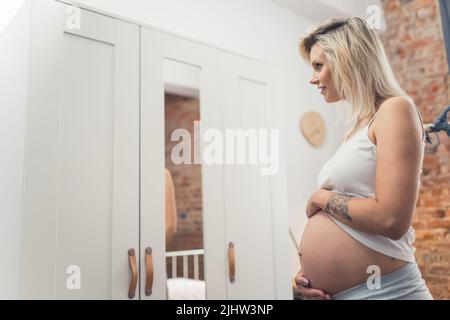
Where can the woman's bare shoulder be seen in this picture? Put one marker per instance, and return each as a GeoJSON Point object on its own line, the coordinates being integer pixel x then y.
{"type": "Point", "coordinates": [397, 115]}
{"type": "Point", "coordinates": [397, 102]}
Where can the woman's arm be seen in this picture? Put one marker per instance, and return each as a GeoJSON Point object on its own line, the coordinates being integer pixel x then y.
{"type": "Point", "coordinates": [171, 207]}
{"type": "Point", "coordinates": [398, 132]}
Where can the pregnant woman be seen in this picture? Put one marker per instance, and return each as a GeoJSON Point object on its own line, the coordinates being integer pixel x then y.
{"type": "Point", "coordinates": [358, 242]}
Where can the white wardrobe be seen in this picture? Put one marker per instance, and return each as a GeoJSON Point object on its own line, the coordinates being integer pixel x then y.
{"type": "Point", "coordinates": [82, 193]}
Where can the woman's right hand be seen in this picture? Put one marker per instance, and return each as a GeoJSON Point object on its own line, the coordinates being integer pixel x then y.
{"type": "Point", "coordinates": [302, 285]}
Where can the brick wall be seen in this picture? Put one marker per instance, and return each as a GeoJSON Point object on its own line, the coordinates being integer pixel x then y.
{"type": "Point", "coordinates": [414, 44]}
{"type": "Point", "coordinates": [181, 112]}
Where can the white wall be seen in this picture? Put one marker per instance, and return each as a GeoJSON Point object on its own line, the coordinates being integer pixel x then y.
{"type": "Point", "coordinates": [8, 11]}
{"type": "Point", "coordinates": [263, 30]}
{"type": "Point", "coordinates": [14, 51]}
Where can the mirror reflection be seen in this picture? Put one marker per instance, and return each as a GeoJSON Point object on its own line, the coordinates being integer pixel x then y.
{"type": "Point", "coordinates": [183, 182]}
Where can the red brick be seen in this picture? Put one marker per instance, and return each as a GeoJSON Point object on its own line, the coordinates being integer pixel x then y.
{"type": "Point", "coordinates": [391, 5]}
{"type": "Point", "coordinates": [425, 12]}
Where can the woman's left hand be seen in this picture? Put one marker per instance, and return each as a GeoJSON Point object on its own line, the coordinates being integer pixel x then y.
{"type": "Point", "coordinates": [317, 202]}
{"type": "Point", "coordinates": [311, 208]}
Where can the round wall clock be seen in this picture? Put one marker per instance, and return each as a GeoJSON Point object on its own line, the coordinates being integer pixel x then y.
{"type": "Point", "coordinates": [312, 127]}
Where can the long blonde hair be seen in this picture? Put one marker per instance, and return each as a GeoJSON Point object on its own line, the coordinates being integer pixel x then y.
{"type": "Point", "coordinates": [360, 69]}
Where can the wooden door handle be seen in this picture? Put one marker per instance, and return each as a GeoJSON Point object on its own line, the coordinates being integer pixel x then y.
{"type": "Point", "coordinates": [134, 273]}
{"type": "Point", "coordinates": [149, 271]}
{"type": "Point", "coordinates": [231, 262]}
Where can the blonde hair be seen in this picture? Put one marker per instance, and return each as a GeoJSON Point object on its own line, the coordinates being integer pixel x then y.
{"type": "Point", "coordinates": [360, 69]}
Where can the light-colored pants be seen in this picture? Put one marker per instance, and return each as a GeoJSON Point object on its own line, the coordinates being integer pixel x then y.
{"type": "Point", "coordinates": [405, 283]}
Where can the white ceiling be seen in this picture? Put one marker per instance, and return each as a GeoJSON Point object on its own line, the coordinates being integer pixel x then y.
{"type": "Point", "coordinates": [312, 9]}
{"type": "Point", "coordinates": [318, 10]}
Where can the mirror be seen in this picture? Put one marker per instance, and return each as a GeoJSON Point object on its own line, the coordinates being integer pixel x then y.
{"type": "Point", "coordinates": [184, 218]}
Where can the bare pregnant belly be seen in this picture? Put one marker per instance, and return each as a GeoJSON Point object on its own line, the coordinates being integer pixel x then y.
{"type": "Point", "coordinates": [333, 261]}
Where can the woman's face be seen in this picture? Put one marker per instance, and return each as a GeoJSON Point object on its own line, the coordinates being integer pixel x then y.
{"type": "Point", "coordinates": [322, 77]}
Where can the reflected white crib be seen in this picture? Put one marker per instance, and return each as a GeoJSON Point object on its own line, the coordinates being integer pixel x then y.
{"type": "Point", "coordinates": [185, 288]}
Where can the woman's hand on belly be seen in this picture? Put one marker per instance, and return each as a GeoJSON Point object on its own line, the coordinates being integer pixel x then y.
{"type": "Point", "coordinates": [311, 207]}
{"type": "Point", "coordinates": [302, 285]}
{"type": "Point", "coordinates": [317, 201]}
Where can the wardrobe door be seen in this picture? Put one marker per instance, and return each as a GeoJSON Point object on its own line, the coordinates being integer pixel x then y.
{"type": "Point", "coordinates": [14, 55]}
{"type": "Point", "coordinates": [81, 214]}
{"type": "Point", "coordinates": [179, 85]}
{"type": "Point", "coordinates": [256, 228]}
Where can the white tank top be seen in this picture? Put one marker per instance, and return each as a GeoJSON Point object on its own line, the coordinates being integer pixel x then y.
{"type": "Point", "coordinates": [351, 171]}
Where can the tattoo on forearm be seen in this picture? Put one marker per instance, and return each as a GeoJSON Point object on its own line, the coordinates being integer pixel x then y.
{"type": "Point", "coordinates": [337, 206]}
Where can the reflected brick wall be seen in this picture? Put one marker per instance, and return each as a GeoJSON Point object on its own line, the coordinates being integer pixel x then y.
{"type": "Point", "coordinates": [181, 112]}
{"type": "Point", "coordinates": [414, 44]}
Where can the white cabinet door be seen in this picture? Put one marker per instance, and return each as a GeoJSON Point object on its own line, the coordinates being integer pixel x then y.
{"type": "Point", "coordinates": [159, 52]}
{"type": "Point", "coordinates": [255, 215]}
{"type": "Point", "coordinates": [81, 210]}
{"type": "Point", "coordinates": [14, 55]}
